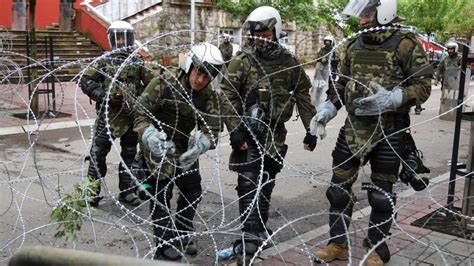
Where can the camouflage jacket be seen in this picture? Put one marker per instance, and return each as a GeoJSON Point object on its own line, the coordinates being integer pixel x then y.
{"type": "Point", "coordinates": [127, 86]}
{"type": "Point", "coordinates": [275, 84]}
{"type": "Point", "coordinates": [170, 105]}
{"type": "Point", "coordinates": [390, 58]}
{"type": "Point", "coordinates": [226, 50]}
{"type": "Point", "coordinates": [447, 62]}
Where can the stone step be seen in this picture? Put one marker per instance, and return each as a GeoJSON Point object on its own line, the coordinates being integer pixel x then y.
{"type": "Point", "coordinates": [60, 50]}
{"type": "Point", "coordinates": [65, 40]}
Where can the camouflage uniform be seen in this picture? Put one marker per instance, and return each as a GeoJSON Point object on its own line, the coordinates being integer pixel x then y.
{"type": "Point", "coordinates": [390, 58]}
{"type": "Point", "coordinates": [129, 83]}
{"type": "Point", "coordinates": [275, 84]}
{"type": "Point", "coordinates": [176, 109]}
{"type": "Point", "coordinates": [226, 49]}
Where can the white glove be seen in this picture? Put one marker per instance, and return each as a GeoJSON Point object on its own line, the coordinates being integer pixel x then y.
{"type": "Point", "coordinates": [197, 145]}
{"type": "Point", "coordinates": [381, 102]}
{"type": "Point", "coordinates": [325, 112]}
{"type": "Point", "coordinates": [156, 142]}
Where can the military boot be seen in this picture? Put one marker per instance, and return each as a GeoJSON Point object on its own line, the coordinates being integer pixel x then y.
{"type": "Point", "coordinates": [374, 260]}
{"type": "Point", "coordinates": [332, 252]}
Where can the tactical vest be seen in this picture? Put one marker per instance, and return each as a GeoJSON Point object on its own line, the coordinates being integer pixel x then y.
{"type": "Point", "coordinates": [127, 83]}
{"type": "Point", "coordinates": [377, 63]}
{"type": "Point", "coordinates": [271, 84]}
{"type": "Point", "coordinates": [123, 94]}
{"type": "Point", "coordinates": [178, 114]}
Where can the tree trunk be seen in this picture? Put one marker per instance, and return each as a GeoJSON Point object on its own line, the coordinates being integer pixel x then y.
{"type": "Point", "coordinates": [34, 71]}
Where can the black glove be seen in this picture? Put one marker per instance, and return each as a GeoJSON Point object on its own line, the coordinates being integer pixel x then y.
{"type": "Point", "coordinates": [310, 140]}
{"type": "Point", "coordinates": [237, 139]}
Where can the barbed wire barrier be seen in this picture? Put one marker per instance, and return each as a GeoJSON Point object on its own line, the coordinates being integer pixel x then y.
{"type": "Point", "coordinates": [38, 179]}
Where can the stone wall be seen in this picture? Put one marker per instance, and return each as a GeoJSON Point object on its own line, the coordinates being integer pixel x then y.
{"type": "Point", "coordinates": [170, 29]}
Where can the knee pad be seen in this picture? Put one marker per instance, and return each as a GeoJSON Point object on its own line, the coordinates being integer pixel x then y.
{"type": "Point", "coordinates": [247, 181]}
{"type": "Point", "coordinates": [381, 202]}
{"type": "Point", "coordinates": [339, 197]}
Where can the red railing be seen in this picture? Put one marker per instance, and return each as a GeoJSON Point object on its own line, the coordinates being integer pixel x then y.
{"type": "Point", "coordinates": [94, 25]}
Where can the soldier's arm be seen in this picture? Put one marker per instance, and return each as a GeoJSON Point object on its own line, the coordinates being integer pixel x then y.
{"type": "Point", "coordinates": [147, 104]}
{"type": "Point", "coordinates": [231, 86]}
{"type": "Point", "coordinates": [211, 117]}
{"type": "Point", "coordinates": [301, 94]}
{"type": "Point", "coordinates": [418, 72]}
{"type": "Point", "coordinates": [335, 92]}
{"type": "Point", "coordinates": [146, 74]}
{"type": "Point", "coordinates": [440, 72]}
{"type": "Point", "coordinates": [91, 83]}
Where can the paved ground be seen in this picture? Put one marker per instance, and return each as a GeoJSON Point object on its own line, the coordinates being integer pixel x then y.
{"type": "Point", "coordinates": [64, 145]}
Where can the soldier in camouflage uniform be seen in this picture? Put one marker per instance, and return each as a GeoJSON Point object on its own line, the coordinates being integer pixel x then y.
{"type": "Point", "coordinates": [323, 70]}
{"type": "Point", "coordinates": [383, 74]}
{"type": "Point", "coordinates": [260, 89]}
{"type": "Point", "coordinates": [168, 110]}
{"type": "Point", "coordinates": [226, 49]}
{"type": "Point", "coordinates": [129, 83]}
{"type": "Point", "coordinates": [453, 61]}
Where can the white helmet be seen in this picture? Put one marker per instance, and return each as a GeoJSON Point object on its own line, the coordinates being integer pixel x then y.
{"type": "Point", "coordinates": [262, 18]}
{"type": "Point", "coordinates": [226, 37]}
{"type": "Point", "coordinates": [205, 57]}
{"type": "Point", "coordinates": [386, 9]}
{"type": "Point", "coordinates": [120, 29]}
{"type": "Point", "coordinates": [452, 45]}
{"type": "Point", "coordinates": [329, 38]}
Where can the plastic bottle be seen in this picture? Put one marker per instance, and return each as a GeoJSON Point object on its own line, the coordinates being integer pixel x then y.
{"type": "Point", "coordinates": [226, 254]}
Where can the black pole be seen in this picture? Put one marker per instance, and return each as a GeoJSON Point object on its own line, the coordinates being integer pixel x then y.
{"type": "Point", "coordinates": [457, 129]}
{"type": "Point", "coordinates": [46, 50]}
{"type": "Point", "coordinates": [52, 77]}
{"type": "Point", "coordinates": [28, 62]}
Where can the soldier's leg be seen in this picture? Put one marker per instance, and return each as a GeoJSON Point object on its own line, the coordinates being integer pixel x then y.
{"type": "Point", "coordinates": [247, 184]}
{"type": "Point", "coordinates": [272, 166]}
{"type": "Point", "coordinates": [99, 150]}
{"type": "Point", "coordinates": [385, 164]}
{"type": "Point", "coordinates": [339, 193]}
{"type": "Point", "coordinates": [189, 187]}
{"type": "Point", "coordinates": [128, 143]}
{"type": "Point", "coordinates": [340, 197]}
{"type": "Point", "coordinates": [162, 222]}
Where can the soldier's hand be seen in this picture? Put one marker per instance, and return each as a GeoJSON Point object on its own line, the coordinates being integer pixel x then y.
{"type": "Point", "coordinates": [326, 111]}
{"type": "Point", "coordinates": [156, 142]}
{"type": "Point", "coordinates": [310, 142]}
{"type": "Point", "coordinates": [197, 145]}
{"type": "Point", "coordinates": [238, 140]}
{"type": "Point", "coordinates": [382, 101]}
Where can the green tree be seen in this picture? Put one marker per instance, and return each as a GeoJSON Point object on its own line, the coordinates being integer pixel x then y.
{"type": "Point", "coordinates": [433, 16]}
{"type": "Point", "coordinates": [302, 12]}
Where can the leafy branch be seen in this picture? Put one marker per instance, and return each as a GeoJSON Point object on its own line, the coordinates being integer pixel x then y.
{"type": "Point", "coordinates": [72, 208]}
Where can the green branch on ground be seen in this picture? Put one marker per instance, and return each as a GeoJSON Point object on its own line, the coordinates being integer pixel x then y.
{"type": "Point", "coordinates": [72, 208]}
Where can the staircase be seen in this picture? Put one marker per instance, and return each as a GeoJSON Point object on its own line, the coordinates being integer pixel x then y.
{"type": "Point", "coordinates": [67, 47]}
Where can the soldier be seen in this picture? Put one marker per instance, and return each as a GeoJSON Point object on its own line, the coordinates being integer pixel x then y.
{"type": "Point", "coordinates": [130, 82]}
{"type": "Point", "coordinates": [226, 48]}
{"type": "Point", "coordinates": [451, 61]}
{"type": "Point", "coordinates": [168, 110]}
{"type": "Point", "coordinates": [323, 70]}
{"type": "Point", "coordinates": [260, 89]}
{"type": "Point", "coordinates": [390, 74]}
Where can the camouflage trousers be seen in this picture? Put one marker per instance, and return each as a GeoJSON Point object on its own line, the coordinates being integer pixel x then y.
{"type": "Point", "coordinates": [384, 159]}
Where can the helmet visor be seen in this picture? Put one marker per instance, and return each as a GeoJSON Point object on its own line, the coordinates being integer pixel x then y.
{"type": "Point", "coordinates": [357, 7]}
{"type": "Point", "coordinates": [212, 70]}
{"type": "Point", "coordinates": [119, 38]}
{"type": "Point", "coordinates": [258, 26]}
